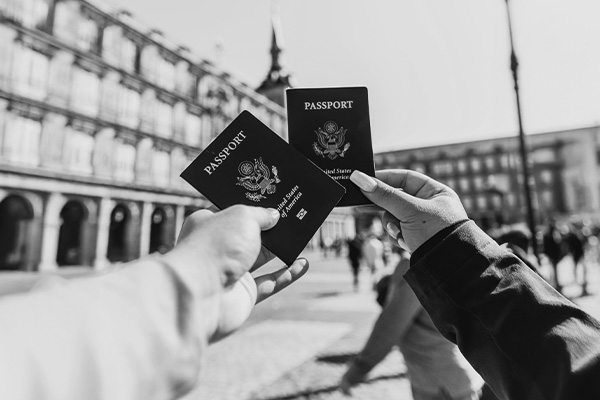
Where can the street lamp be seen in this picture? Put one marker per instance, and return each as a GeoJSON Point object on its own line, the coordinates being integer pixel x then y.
{"type": "Point", "coordinates": [526, 168]}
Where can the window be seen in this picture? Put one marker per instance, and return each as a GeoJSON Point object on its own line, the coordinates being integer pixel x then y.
{"type": "Point", "coordinates": [193, 127]}
{"type": "Point", "coordinates": [183, 78]}
{"type": "Point", "coordinates": [111, 44]}
{"type": "Point", "coordinates": [22, 140]}
{"type": "Point", "coordinates": [104, 152]}
{"type": "Point", "coordinates": [467, 203]}
{"type": "Point", "coordinates": [88, 35]}
{"type": "Point", "coordinates": [490, 162]}
{"type": "Point", "coordinates": [31, 70]}
{"type": "Point", "coordinates": [496, 201]}
{"type": "Point", "coordinates": [504, 162]}
{"type": "Point", "coordinates": [161, 168]}
{"type": "Point", "coordinates": [60, 78]}
{"type": "Point", "coordinates": [66, 21]}
{"type": "Point", "coordinates": [149, 61]}
{"type": "Point", "coordinates": [164, 119]}
{"type": "Point", "coordinates": [463, 183]}
{"type": "Point", "coordinates": [511, 200]}
{"type": "Point", "coordinates": [124, 162]}
{"type": "Point", "coordinates": [143, 162]}
{"type": "Point", "coordinates": [208, 93]}
{"type": "Point", "coordinates": [166, 74]}
{"type": "Point", "coordinates": [475, 164]}
{"type": "Point", "coordinates": [53, 140]}
{"type": "Point", "coordinates": [207, 130]}
{"type": "Point", "coordinates": [179, 120]}
{"type": "Point", "coordinates": [30, 13]}
{"type": "Point", "coordinates": [79, 150]}
{"type": "Point", "coordinates": [7, 45]}
{"type": "Point", "coordinates": [546, 177]}
{"type": "Point", "coordinates": [128, 54]}
{"type": "Point", "coordinates": [148, 107]}
{"type": "Point", "coordinates": [481, 202]}
{"type": "Point", "coordinates": [111, 92]}
{"type": "Point", "coordinates": [478, 183]}
{"type": "Point", "coordinates": [462, 166]}
{"type": "Point", "coordinates": [12, 9]}
{"type": "Point", "coordinates": [129, 107]}
{"type": "Point", "coordinates": [85, 91]}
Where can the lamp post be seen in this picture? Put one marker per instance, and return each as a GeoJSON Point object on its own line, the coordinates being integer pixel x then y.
{"type": "Point", "coordinates": [526, 168]}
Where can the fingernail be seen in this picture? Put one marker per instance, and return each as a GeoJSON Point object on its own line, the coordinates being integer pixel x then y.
{"type": "Point", "coordinates": [274, 213]}
{"type": "Point", "coordinates": [363, 181]}
{"type": "Point", "coordinates": [393, 230]}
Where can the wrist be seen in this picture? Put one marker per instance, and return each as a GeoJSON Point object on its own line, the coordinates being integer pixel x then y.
{"type": "Point", "coordinates": [198, 271]}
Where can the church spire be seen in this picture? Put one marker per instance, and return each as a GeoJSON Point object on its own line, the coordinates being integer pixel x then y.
{"type": "Point", "coordinates": [277, 79]}
{"type": "Point", "coordinates": [276, 43]}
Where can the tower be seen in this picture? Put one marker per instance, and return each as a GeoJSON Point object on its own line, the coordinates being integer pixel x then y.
{"type": "Point", "coordinates": [277, 79]}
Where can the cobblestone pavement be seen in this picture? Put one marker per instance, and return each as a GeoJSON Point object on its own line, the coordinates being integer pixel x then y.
{"type": "Point", "coordinates": [296, 345]}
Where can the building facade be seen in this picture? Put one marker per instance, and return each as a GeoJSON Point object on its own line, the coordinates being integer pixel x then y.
{"type": "Point", "coordinates": [487, 174]}
{"type": "Point", "coordinates": [98, 117]}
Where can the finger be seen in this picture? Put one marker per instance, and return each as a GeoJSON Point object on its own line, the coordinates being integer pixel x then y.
{"type": "Point", "coordinates": [395, 233]}
{"type": "Point", "coordinates": [264, 257]}
{"type": "Point", "coordinates": [266, 217]}
{"type": "Point", "coordinates": [371, 208]}
{"type": "Point", "coordinates": [411, 182]}
{"type": "Point", "coordinates": [269, 284]}
{"type": "Point", "coordinates": [394, 200]}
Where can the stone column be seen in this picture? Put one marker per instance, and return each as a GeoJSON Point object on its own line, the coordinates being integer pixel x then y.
{"type": "Point", "coordinates": [105, 210]}
{"type": "Point", "coordinates": [179, 219]}
{"type": "Point", "coordinates": [51, 229]}
{"type": "Point", "coordinates": [147, 211]}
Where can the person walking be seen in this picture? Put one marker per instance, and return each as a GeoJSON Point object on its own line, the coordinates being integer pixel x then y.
{"type": "Point", "coordinates": [354, 256]}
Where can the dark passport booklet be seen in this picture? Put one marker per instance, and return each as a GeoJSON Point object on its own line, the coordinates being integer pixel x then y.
{"type": "Point", "coordinates": [250, 164]}
{"type": "Point", "coordinates": [331, 127]}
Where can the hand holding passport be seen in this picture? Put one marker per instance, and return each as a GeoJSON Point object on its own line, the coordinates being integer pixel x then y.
{"type": "Point", "coordinates": [250, 164]}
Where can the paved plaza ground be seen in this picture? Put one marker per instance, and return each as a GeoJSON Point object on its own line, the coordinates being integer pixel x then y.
{"type": "Point", "coordinates": [296, 345]}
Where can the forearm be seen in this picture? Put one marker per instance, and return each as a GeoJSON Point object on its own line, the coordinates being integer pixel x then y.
{"type": "Point", "coordinates": [524, 338]}
{"type": "Point", "coordinates": [391, 325]}
{"type": "Point", "coordinates": [131, 334]}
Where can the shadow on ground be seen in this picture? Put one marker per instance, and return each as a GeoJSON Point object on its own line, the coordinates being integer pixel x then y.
{"type": "Point", "coordinates": [336, 358]}
{"type": "Point", "coordinates": [307, 394]}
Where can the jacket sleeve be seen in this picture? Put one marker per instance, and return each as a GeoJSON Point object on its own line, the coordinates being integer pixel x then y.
{"type": "Point", "coordinates": [131, 334]}
{"type": "Point", "coordinates": [524, 338]}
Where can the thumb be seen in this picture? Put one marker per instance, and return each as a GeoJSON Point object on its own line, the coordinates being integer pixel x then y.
{"type": "Point", "coordinates": [400, 204]}
{"type": "Point", "coordinates": [266, 217]}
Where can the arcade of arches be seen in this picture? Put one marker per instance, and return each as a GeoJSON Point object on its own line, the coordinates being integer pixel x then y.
{"type": "Point", "coordinates": [41, 231]}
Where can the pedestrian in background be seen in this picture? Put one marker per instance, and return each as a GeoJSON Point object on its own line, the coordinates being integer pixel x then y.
{"type": "Point", "coordinates": [553, 248]}
{"type": "Point", "coordinates": [372, 250]}
{"type": "Point", "coordinates": [355, 256]}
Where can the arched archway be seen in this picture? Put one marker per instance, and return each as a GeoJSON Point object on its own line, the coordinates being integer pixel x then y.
{"type": "Point", "coordinates": [70, 238]}
{"type": "Point", "coordinates": [120, 219]}
{"type": "Point", "coordinates": [158, 242]}
{"type": "Point", "coordinates": [16, 214]}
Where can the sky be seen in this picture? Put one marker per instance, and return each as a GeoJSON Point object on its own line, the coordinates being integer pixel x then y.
{"type": "Point", "coordinates": [437, 71]}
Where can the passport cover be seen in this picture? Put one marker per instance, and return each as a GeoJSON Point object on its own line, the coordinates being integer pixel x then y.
{"type": "Point", "coordinates": [250, 164]}
{"type": "Point", "coordinates": [331, 127]}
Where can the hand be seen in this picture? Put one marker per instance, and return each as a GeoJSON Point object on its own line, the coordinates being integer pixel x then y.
{"type": "Point", "coordinates": [214, 255]}
{"type": "Point", "coordinates": [421, 205]}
